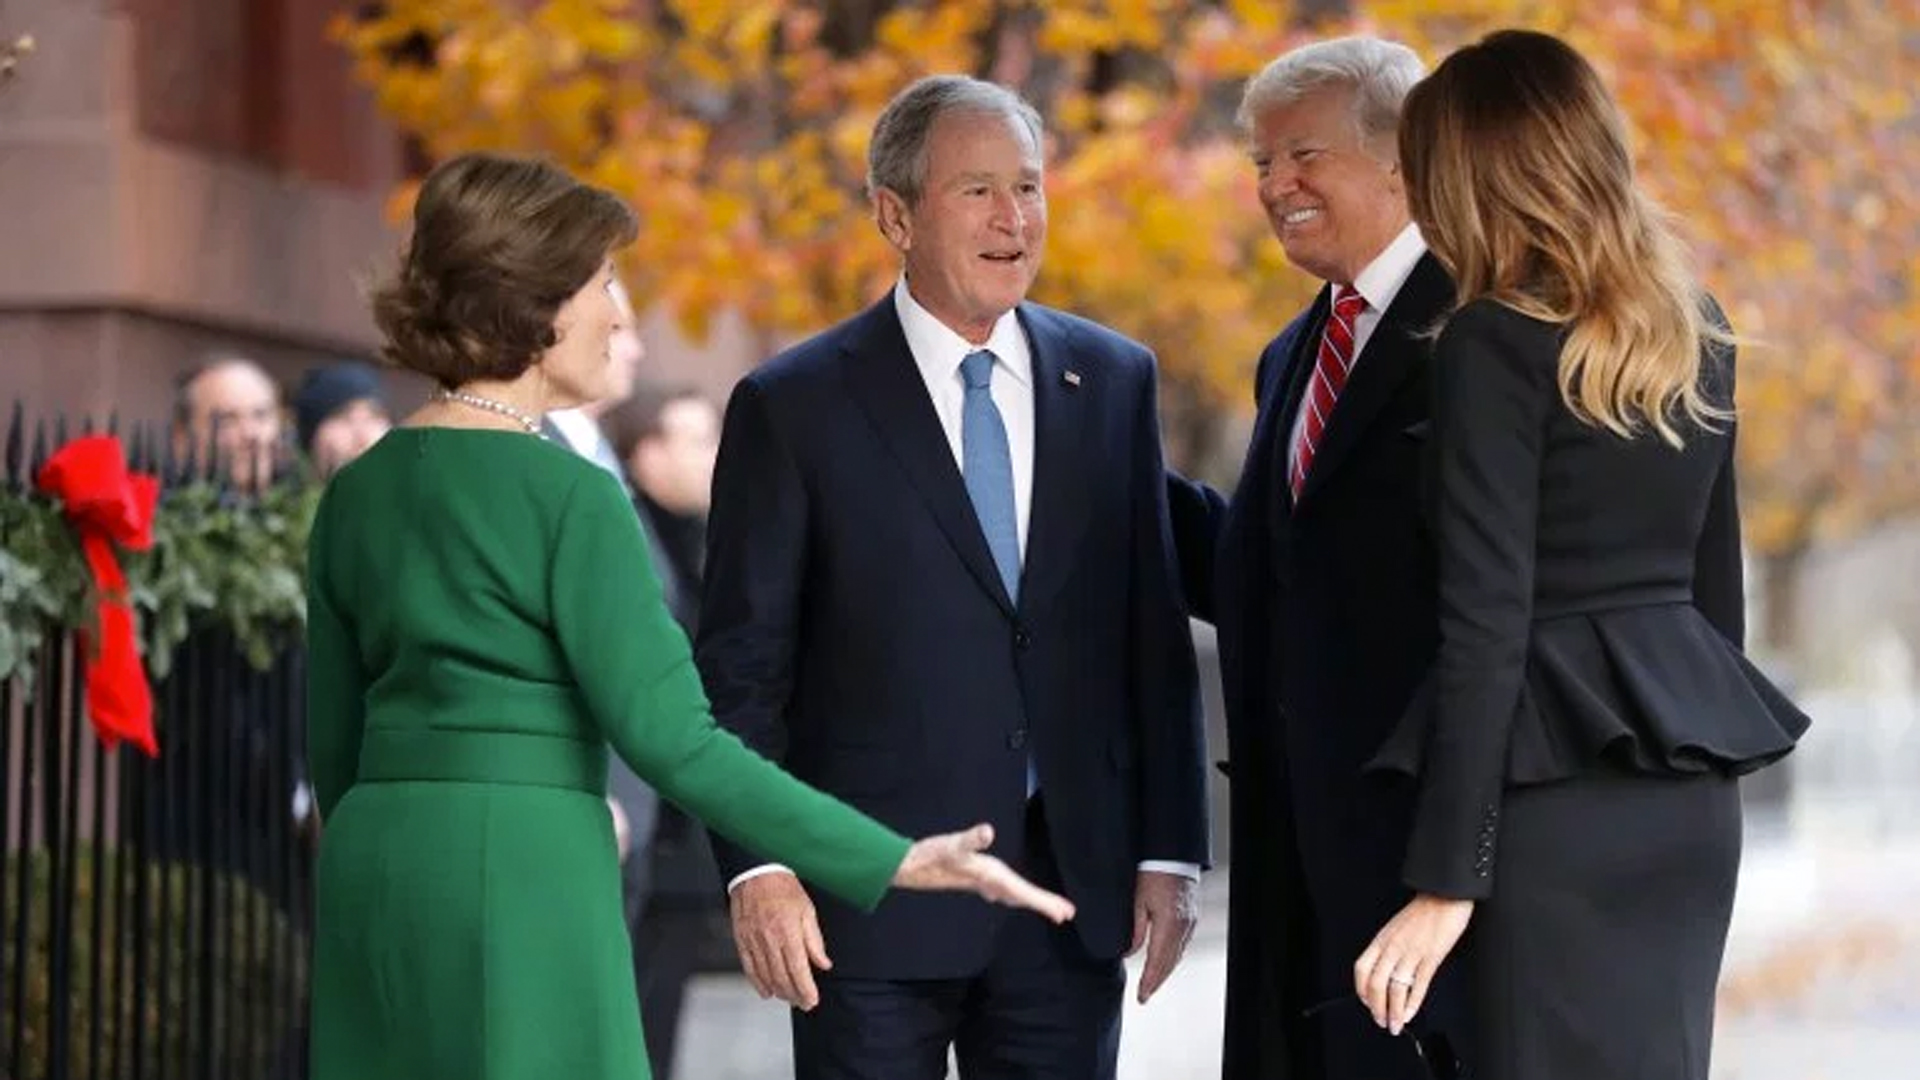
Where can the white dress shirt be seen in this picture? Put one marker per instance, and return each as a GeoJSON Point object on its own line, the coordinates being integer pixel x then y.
{"type": "Point", "coordinates": [585, 437]}
{"type": "Point", "coordinates": [937, 352]}
{"type": "Point", "coordinates": [1380, 282]}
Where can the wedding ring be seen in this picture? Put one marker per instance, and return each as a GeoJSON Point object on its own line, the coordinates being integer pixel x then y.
{"type": "Point", "coordinates": [1400, 980]}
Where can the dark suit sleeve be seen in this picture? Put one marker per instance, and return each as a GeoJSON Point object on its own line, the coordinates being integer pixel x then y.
{"type": "Point", "coordinates": [1492, 397]}
{"type": "Point", "coordinates": [750, 599]}
{"type": "Point", "coordinates": [1199, 512]}
{"type": "Point", "coordinates": [1719, 580]}
{"type": "Point", "coordinates": [1196, 512]}
{"type": "Point", "coordinates": [1172, 758]}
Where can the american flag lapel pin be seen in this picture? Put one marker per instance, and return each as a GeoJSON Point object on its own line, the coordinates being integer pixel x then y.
{"type": "Point", "coordinates": [1071, 378]}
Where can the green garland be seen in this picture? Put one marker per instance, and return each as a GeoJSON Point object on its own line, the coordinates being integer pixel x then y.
{"type": "Point", "coordinates": [240, 565]}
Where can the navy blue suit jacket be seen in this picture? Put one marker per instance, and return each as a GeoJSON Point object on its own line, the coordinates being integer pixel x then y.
{"type": "Point", "coordinates": [854, 628]}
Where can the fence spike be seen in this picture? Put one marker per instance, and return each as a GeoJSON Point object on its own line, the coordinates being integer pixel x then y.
{"type": "Point", "coordinates": [16, 445]}
{"type": "Point", "coordinates": [40, 452]}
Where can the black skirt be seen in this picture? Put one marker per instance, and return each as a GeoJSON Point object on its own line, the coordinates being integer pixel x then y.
{"type": "Point", "coordinates": [1598, 954]}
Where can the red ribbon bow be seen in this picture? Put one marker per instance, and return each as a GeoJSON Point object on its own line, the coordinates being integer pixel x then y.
{"type": "Point", "coordinates": [109, 505]}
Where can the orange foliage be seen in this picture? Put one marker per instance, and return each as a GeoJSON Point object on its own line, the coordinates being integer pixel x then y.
{"type": "Point", "coordinates": [1785, 137]}
{"type": "Point", "coordinates": [1782, 133]}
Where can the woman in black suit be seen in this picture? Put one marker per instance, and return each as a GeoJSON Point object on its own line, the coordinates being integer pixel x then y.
{"type": "Point", "coordinates": [1577, 742]}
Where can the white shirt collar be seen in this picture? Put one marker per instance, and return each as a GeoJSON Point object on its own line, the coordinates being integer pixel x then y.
{"type": "Point", "coordinates": [1381, 280]}
{"type": "Point", "coordinates": [937, 350]}
{"type": "Point", "coordinates": [579, 428]}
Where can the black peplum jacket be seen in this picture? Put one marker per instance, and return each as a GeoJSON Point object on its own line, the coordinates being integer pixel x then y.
{"type": "Point", "coordinates": [1590, 599]}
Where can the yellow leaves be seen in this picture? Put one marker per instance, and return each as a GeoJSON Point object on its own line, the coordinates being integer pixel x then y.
{"type": "Point", "coordinates": [936, 37]}
{"type": "Point", "coordinates": [1783, 135]}
{"type": "Point", "coordinates": [1785, 138]}
{"type": "Point", "coordinates": [1162, 242]}
{"type": "Point", "coordinates": [1129, 107]}
{"type": "Point", "coordinates": [727, 40]}
{"type": "Point", "coordinates": [1258, 16]}
{"type": "Point", "coordinates": [1780, 58]}
{"type": "Point", "coordinates": [587, 31]}
{"type": "Point", "coordinates": [399, 205]}
{"type": "Point", "coordinates": [1086, 27]}
{"type": "Point", "coordinates": [568, 113]}
{"type": "Point", "coordinates": [752, 33]}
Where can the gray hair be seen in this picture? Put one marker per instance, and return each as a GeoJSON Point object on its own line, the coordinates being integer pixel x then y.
{"type": "Point", "coordinates": [897, 155]}
{"type": "Point", "coordinates": [1378, 73]}
{"type": "Point", "coordinates": [207, 364]}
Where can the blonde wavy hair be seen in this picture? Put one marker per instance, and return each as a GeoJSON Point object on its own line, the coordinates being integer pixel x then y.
{"type": "Point", "coordinates": [1518, 173]}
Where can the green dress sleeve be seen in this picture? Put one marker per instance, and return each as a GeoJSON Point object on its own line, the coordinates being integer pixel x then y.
{"type": "Point", "coordinates": [336, 685]}
{"type": "Point", "coordinates": [635, 670]}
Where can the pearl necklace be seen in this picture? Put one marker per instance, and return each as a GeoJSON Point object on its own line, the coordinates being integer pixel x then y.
{"type": "Point", "coordinates": [501, 408]}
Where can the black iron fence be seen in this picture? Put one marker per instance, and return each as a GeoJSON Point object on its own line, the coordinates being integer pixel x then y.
{"type": "Point", "coordinates": [154, 913]}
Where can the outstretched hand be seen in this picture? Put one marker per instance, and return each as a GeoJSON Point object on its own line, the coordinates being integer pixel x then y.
{"type": "Point", "coordinates": [956, 862]}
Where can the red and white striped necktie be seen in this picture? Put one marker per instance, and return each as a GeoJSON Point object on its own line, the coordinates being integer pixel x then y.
{"type": "Point", "coordinates": [1330, 370]}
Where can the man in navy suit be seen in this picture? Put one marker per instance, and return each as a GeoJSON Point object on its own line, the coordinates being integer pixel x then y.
{"type": "Point", "coordinates": [1320, 578]}
{"type": "Point", "coordinates": [940, 585]}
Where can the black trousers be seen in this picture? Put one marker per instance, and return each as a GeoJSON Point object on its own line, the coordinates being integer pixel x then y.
{"type": "Point", "coordinates": [1042, 1010]}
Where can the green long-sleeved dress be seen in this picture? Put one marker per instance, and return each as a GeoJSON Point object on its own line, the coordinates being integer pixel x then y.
{"type": "Point", "coordinates": [483, 620]}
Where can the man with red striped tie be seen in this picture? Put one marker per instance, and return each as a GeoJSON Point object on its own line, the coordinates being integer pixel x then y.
{"type": "Point", "coordinates": [1319, 575]}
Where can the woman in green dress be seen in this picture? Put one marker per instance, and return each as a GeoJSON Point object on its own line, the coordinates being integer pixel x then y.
{"type": "Point", "coordinates": [483, 621]}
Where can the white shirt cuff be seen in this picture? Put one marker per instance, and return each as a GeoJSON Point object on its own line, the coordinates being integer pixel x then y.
{"type": "Point", "coordinates": [769, 868]}
{"type": "Point", "coordinates": [1190, 871]}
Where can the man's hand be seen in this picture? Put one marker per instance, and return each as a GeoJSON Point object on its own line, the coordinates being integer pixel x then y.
{"type": "Point", "coordinates": [1166, 908]}
{"type": "Point", "coordinates": [778, 934]}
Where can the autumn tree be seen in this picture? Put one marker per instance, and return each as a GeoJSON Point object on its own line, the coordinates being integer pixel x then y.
{"type": "Point", "coordinates": [739, 132]}
{"type": "Point", "coordinates": [1783, 134]}
{"type": "Point", "coordinates": [1785, 137]}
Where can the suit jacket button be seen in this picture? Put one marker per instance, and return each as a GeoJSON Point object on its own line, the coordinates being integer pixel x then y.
{"type": "Point", "coordinates": [1017, 740]}
{"type": "Point", "coordinates": [1022, 639]}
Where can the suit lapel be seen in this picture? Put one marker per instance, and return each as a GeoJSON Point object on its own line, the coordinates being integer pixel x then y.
{"type": "Point", "coordinates": [1058, 514]}
{"type": "Point", "coordinates": [882, 377]}
{"type": "Point", "coordinates": [1290, 391]}
{"type": "Point", "coordinates": [1252, 513]}
{"type": "Point", "coordinates": [1393, 352]}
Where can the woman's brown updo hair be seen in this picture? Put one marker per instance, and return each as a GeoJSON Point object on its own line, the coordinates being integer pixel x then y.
{"type": "Point", "coordinates": [499, 243]}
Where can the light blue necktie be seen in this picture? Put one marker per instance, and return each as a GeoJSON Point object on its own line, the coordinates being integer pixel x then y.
{"type": "Point", "coordinates": [987, 465]}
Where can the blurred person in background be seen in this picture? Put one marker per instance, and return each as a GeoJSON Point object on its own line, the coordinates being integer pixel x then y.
{"type": "Point", "coordinates": [339, 411]}
{"type": "Point", "coordinates": [667, 437]}
{"type": "Point", "coordinates": [226, 406]}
